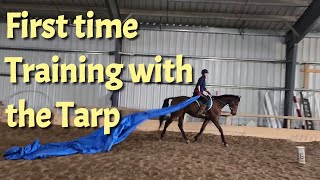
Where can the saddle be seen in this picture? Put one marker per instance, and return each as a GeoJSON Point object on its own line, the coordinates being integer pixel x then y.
{"type": "Point", "coordinates": [207, 100]}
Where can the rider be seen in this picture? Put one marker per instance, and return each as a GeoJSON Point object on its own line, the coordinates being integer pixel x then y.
{"type": "Point", "coordinates": [199, 89]}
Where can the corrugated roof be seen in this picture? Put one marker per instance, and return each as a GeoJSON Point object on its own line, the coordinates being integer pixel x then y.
{"type": "Point", "coordinates": [239, 10]}
{"type": "Point", "coordinates": [228, 7]}
{"type": "Point", "coordinates": [94, 3]}
{"type": "Point", "coordinates": [53, 8]}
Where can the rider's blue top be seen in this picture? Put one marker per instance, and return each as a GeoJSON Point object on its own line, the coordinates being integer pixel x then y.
{"type": "Point", "coordinates": [202, 83]}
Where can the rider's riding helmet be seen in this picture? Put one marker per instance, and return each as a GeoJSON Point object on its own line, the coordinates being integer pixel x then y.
{"type": "Point", "coordinates": [204, 71]}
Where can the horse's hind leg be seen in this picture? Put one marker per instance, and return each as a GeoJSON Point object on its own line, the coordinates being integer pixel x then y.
{"type": "Point", "coordinates": [168, 122]}
{"type": "Point", "coordinates": [180, 124]}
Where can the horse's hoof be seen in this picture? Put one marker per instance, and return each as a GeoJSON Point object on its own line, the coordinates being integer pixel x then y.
{"type": "Point", "coordinates": [188, 141]}
{"type": "Point", "coordinates": [226, 145]}
{"type": "Point", "coordinates": [160, 138]}
{"type": "Point", "coordinates": [196, 138]}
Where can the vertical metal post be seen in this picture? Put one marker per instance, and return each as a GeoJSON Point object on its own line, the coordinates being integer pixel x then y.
{"type": "Point", "coordinates": [117, 58]}
{"type": "Point", "coordinates": [302, 27]}
{"type": "Point", "coordinates": [114, 13]}
{"type": "Point", "coordinates": [291, 57]}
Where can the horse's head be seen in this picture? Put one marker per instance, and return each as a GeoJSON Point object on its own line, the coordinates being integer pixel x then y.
{"type": "Point", "coordinates": [233, 104]}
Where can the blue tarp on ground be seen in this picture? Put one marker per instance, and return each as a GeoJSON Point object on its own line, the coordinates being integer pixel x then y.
{"type": "Point", "coordinates": [94, 142]}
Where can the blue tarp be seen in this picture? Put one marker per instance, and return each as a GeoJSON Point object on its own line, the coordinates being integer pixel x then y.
{"type": "Point", "coordinates": [94, 142]}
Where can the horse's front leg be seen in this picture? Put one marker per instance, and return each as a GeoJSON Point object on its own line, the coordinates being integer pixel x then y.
{"type": "Point", "coordinates": [216, 122]}
{"type": "Point", "coordinates": [205, 123]}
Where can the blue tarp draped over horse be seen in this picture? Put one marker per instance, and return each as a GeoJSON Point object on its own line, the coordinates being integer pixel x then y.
{"type": "Point", "coordinates": [94, 142]}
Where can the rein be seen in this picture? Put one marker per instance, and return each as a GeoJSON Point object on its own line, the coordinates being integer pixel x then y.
{"type": "Point", "coordinates": [224, 104]}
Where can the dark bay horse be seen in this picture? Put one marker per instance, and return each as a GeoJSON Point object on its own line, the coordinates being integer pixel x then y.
{"type": "Point", "coordinates": [213, 114]}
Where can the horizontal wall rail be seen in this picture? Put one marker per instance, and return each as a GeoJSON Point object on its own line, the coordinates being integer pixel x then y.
{"type": "Point", "coordinates": [301, 62]}
{"type": "Point", "coordinates": [215, 58]}
{"type": "Point", "coordinates": [205, 57]}
{"type": "Point", "coordinates": [192, 84]}
{"type": "Point", "coordinates": [271, 116]}
{"type": "Point", "coordinates": [288, 118]}
{"type": "Point", "coordinates": [210, 30]}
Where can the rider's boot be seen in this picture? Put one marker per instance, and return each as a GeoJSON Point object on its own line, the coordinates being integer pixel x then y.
{"type": "Point", "coordinates": [201, 112]}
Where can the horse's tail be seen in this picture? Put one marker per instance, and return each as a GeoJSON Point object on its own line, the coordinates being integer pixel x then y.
{"type": "Point", "coordinates": [165, 104]}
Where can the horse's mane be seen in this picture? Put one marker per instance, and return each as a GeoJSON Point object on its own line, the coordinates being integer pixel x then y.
{"type": "Point", "coordinates": [227, 95]}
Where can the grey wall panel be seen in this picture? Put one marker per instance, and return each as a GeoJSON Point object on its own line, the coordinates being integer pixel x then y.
{"type": "Point", "coordinates": [151, 96]}
{"type": "Point", "coordinates": [309, 50]}
{"type": "Point", "coordinates": [205, 44]}
{"type": "Point", "coordinates": [221, 72]}
{"type": "Point", "coordinates": [163, 43]}
{"type": "Point", "coordinates": [315, 103]}
{"type": "Point", "coordinates": [263, 74]}
{"type": "Point", "coordinates": [23, 91]}
{"type": "Point", "coordinates": [314, 78]}
{"type": "Point", "coordinates": [81, 94]}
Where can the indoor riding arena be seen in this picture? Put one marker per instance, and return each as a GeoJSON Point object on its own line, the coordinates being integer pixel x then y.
{"type": "Point", "coordinates": [160, 89]}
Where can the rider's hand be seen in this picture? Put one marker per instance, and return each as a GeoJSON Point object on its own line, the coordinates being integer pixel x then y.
{"type": "Point", "coordinates": [199, 93]}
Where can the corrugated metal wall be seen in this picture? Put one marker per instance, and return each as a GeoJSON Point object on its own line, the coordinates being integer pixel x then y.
{"type": "Point", "coordinates": [309, 51]}
{"type": "Point", "coordinates": [43, 50]}
{"type": "Point", "coordinates": [222, 73]}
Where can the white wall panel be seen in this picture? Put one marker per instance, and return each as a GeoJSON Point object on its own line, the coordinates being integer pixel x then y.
{"type": "Point", "coordinates": [151, 96]}
{"type": "Point", "coordinates": [223, 72]}
{"type": "Point", "coordinates": [219, 46]}
{"type": "Point", "coordinates": [82, 94]}
{"type": "Point", "coordinates": [207, 44]}
{"type": "Point", "coordinates": [309, 51]}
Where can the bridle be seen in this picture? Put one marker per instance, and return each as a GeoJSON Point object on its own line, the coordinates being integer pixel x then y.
{"type": "Point", "coordinates": [225, 104]}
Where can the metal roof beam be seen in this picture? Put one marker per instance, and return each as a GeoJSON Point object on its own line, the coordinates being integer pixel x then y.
{"type": "Point", "coordinates": [290, 3]}
{"type": "Point", "coordinates": [207, 15]}
{"type": "Point", "coordinates": [305, 23]}
{"type": "Point", "coordinates": [113, 9]}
